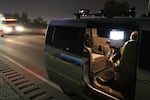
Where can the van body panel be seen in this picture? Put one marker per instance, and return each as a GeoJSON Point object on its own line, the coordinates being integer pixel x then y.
{"type": "Point", "coordinates": [67, 74]}
{"type": "Point", "coordinates": [143, 71]}
{"type": "Point", "coordinates": [80, 62]}
{"type": "Point", "coordinates": [142, 85]}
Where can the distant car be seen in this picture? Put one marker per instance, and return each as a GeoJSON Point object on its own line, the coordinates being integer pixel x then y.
{"type": "Point", "coordinates": [13, 26]}
{"type": "Point", "coordinates": [76, 58]}
{"type": "Point", "coordinates": [9, 25]}
{"type": "Point", "coordinates": [2, 25]}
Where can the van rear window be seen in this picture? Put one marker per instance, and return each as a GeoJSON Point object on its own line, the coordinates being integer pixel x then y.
{"type": "Point", "coordinates": [66, 38]}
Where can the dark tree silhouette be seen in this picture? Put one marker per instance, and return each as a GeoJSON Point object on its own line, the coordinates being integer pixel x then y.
{"type": "Point", "coordinates": [16, 15]}
{"type": "Point", "coordinates": [24, 18]}
{"type": "Point", "coordinates": [39, 22]}
{"type": "Point", "coordinates": [116, 8]}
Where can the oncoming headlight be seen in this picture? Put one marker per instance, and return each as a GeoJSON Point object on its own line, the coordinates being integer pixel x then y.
{"type": "Point", "coordinates": [8, 29]}
{"type": "Point", "coordinates": [19, 28]}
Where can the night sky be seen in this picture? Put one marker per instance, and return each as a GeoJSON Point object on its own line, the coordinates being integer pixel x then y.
{"type": "Point", "coordinates": [53, 9]}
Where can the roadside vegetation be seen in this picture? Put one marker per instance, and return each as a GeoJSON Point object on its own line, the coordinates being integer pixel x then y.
{"type": "Point", "coordinates": [27, 22]}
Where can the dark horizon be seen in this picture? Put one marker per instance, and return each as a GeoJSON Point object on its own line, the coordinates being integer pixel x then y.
{"type": "Point", "coordinates": [49, 10]}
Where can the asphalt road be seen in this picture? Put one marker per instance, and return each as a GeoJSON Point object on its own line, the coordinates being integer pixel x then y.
{"type": "Point", "coordinates": [27, 50]}
{"type": "Point", "coordinates": [24, 53]}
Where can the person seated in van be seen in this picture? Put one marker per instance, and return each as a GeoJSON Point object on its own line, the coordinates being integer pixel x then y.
{"type": "Point", "coordinates": [115, 58]}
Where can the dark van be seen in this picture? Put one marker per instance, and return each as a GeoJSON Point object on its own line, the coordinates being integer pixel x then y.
{"type": "Point", "coordinates": [78, 52]}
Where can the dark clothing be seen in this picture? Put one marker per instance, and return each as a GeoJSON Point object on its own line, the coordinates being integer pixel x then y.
{"type": "Point", "coordinates": [116, 57]}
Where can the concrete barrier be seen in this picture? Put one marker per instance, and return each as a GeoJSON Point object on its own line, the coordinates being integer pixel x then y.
{"type": "Point", "coordinates": [35, 30]}
{"type": "Point", "coordinates": [41, 31]}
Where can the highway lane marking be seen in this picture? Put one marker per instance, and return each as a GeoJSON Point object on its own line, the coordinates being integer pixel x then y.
{"type": "Point", "coordinates": [33, 38]}
{"type": "Point", "coordinates": [21, 43]}
{"type": "Point", "coordinates": [33, 73]}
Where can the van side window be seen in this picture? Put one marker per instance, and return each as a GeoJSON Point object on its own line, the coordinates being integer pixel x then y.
{"type": "Point", "coordinates": [49, 35]}
{"type": "Point", "coordinates": [66, 38]}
